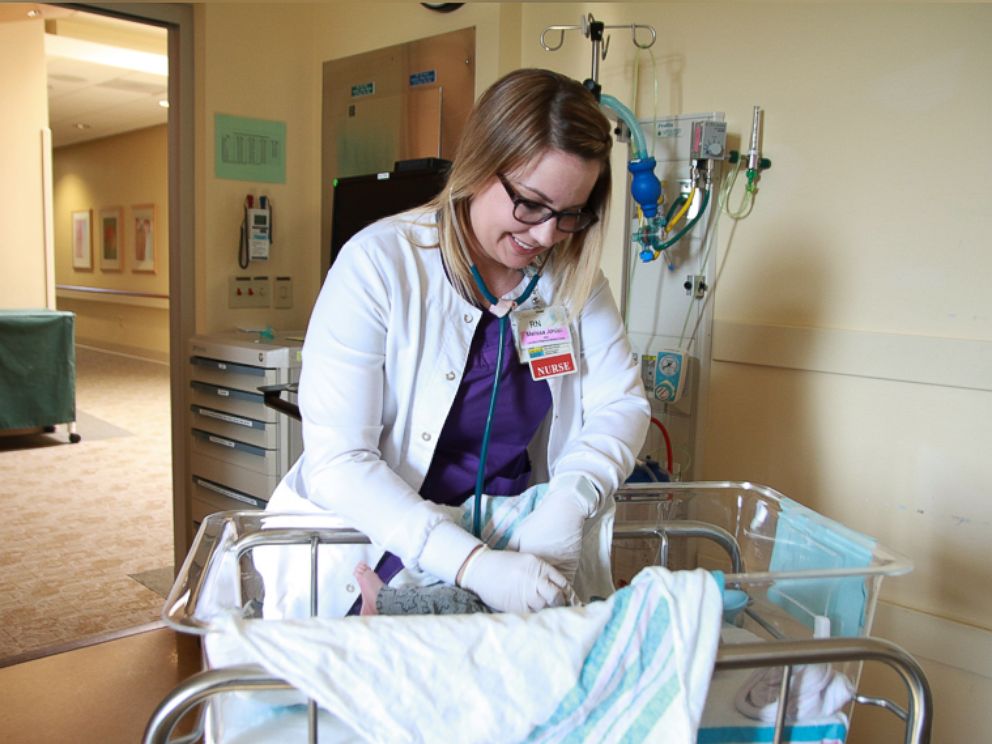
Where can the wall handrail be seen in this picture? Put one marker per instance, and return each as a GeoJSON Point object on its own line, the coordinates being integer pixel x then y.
{"type": "Point", "coordinates": [107, 290]}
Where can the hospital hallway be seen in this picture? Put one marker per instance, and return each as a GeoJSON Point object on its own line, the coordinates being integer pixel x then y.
{"type": "Point", "coordinates": [87, 527]}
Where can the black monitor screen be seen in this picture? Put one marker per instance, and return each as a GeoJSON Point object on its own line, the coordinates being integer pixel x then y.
{"type": "Point", "coordinates": [361, 200]}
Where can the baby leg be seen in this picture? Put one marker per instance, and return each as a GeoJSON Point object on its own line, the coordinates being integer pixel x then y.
{"type": "Point", "coordinates": [370, 584]}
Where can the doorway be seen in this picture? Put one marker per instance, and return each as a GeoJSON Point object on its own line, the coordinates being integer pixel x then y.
{"type": "Point", "coordinates": [90, 536]}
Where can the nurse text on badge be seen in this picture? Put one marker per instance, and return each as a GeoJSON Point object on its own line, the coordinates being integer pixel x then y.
{"type": "Point", "coordinates": [553, 366]}
{"type": "Point", "coordinates": [545, 342]}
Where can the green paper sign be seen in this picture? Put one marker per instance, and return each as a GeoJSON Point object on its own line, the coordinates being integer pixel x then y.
{"type": "Point", "coordinates": [249, 149]}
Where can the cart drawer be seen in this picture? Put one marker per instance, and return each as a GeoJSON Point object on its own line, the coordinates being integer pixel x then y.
{"type": "Point", "coordinates": [242, 428]}
{"type": "Point", "coordinates": [210, 497]}
{"type": "Point", "coordinates": [232, 400]}
{"type": "Point", "coordinates": [229, 374]}
{"type": "Point", "coordinates": [249, 482]}
{"type": "Point", "coordinates": [257, 459]}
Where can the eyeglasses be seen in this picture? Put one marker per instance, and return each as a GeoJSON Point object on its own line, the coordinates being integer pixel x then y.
{"type": "Point", "coordinates": [534, 213]}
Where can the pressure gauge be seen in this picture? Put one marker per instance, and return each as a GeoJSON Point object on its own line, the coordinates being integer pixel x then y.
{"type": "Point", "coordinates": [709, 140]}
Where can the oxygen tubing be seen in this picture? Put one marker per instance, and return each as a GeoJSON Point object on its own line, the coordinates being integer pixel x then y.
{"type": "Point", "coordinates": [640, 145]}
{"type": "Point", "coordinates": [688, 225]}
{"type": "Point", "coordinates": [683, 207]}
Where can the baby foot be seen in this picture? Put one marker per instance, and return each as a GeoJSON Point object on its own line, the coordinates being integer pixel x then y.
{"type": "Point", "coordinates": [370, 584]}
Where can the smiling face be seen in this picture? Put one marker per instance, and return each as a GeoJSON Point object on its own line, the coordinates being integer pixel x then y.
{"type": "Point", "coordinates": [505, 245]}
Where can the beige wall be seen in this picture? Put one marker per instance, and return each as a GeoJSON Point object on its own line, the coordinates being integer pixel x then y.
{"type": "Point", "coordinates": [294, 41]}
{"type": "Point", "coordinates": [256, 63]}
{"type": "Point", "coordinates": [122, 171]}
{"type": "Point", "coordinates": [23, 281]}
{"type": "Point", "coordinates": [853, 338]}
{"type": "Point", "coordinates": [869, 233]}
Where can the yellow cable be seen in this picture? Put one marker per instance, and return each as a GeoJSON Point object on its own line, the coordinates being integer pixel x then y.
{"type": "Point", "coordinates": [685, 208]}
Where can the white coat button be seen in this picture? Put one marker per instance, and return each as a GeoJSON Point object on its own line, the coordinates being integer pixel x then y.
{"type": "Point", "coordinates": [468, 318]}
{"type": "Point", "coordinates": [426, 436]}
{"type": "Point", "coordinates": [450, 376]}
{"type": "Point", "coordinates": [350, 588]}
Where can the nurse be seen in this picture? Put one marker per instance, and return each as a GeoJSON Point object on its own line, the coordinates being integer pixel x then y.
{"type": "Point", "coordinates": [421, 313]}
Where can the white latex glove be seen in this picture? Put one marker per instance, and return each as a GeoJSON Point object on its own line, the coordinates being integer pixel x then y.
{"type": "Point", "coordinates": [514, 582]}
{"type": "Point", "coordinates": [445, 550]}
{"type": "Point", "coordinates": [553, 531]}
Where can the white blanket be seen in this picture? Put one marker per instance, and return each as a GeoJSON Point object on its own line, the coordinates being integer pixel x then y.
{"type": "Point", "coordinates": [635, 667]}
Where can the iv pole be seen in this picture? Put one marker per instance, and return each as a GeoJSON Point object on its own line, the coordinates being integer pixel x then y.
{"type": "Point", "coordinates": [641, 181]}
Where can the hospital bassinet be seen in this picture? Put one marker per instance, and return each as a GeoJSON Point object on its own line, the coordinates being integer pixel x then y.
{"type": "Point", "coordinates": [800, 594]}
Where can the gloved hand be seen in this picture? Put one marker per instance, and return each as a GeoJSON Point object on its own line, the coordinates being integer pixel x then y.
{"type": "Point", "coordinates": [514, 582]}
{"type": "Point", "coordinates": [553, 531]}
{"type": "Point", "coordinates": [446, 549]}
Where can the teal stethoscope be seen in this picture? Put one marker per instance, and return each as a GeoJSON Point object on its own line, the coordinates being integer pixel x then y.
{"type": "Point", "coordinates": [500, 308]}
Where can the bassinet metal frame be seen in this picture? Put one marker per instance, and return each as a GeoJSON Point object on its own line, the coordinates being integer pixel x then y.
{"type": "Point", "coordinates": [916, 714]}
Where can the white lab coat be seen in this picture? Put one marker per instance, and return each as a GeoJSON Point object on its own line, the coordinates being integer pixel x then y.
{"type": "Point", "coordinates": [387, 342]}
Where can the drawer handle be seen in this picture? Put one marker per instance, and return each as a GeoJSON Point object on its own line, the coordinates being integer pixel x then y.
{"type": "Point", "coordinates": [210, 389]}
{"type": "Point", "coordinates": [249, 449]}
{"type": "Point", "coordinates": [258, 503]}
{"type": "Point", "coordinates": [225, 417]}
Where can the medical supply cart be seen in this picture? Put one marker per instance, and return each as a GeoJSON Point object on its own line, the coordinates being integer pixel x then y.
{"type": "Point", "coordinates": [37, 370]}
{"type": "Point", "coordinates": [240, 447]}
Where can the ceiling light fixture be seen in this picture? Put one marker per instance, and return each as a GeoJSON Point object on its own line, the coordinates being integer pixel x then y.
{"type": "Point", "coordinates": [65, 47]}
{"type": "Point", "coordinates": [164, 103]}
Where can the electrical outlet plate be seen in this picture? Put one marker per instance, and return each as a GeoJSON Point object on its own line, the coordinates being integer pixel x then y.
{"type": "Point", "coordinates": [246, 291]}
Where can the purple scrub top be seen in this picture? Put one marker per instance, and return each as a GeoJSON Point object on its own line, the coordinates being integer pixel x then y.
{"type": "Point", "coordinates": [521, 406]}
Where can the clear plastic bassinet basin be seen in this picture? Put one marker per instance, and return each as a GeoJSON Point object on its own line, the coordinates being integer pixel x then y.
{"type": "Point", "coordinates": [790, 572]}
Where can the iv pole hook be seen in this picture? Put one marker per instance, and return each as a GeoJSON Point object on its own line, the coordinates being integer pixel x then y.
{"type": "Point", "coordinates": [593, 30]}
{"type": "Point", "coordinates": [561, 37]}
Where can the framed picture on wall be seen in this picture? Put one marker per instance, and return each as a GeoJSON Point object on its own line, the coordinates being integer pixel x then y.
{"type": "Point", "coordinates": [143, 238]}
{"type": "Point", "coordinates": [82, 240]}
{"type": "Point", "coordinates": [111, 239]}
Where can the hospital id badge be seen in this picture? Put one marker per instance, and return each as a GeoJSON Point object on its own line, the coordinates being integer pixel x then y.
{"type": "Point", "coordinates": [544, 341]}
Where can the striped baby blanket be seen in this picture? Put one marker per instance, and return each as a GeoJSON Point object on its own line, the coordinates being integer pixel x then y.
{"type": "Point", "coordinates": [634, 667]}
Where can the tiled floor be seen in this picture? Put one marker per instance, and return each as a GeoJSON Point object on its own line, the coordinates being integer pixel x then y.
{"type": "Point", "coordinates": [78, 518]}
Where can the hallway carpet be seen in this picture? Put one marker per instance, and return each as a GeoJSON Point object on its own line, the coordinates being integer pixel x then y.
{"type": "Point", "coordinates": [79, 520]}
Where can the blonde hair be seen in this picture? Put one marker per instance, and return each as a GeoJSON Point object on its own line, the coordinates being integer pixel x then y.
{"type": "Point", "coordinates": [520, 117]}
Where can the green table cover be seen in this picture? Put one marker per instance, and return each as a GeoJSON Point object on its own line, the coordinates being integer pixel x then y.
{"type": "Point", "coordinates": [37, 368]}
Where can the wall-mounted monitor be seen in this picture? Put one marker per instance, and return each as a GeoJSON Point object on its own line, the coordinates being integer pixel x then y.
{"type": "Point", "coordinates": [361, 200]}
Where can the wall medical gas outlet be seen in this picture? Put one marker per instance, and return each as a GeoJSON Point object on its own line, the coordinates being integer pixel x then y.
{"type": "Point", "coordinates": [669, 376]}
{"type": "Point", "coordinates": [247, 291]}
{"type": "Point", "coordinates": [668, 318]}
